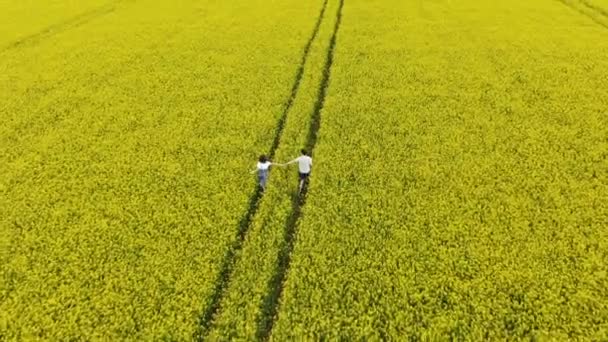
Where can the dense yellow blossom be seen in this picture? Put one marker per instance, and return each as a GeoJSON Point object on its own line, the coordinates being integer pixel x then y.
{"type": "Point", "coordinates": [459, 187]}
{"type": "Point", "coordinates": [125, 141]}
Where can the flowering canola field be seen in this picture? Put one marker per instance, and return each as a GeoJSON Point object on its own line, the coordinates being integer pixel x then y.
{"type": "Point", "coordinates": [459, 188]}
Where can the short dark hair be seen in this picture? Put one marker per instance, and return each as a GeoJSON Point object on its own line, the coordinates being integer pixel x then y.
{"type": "Point", "coordinates": [263, 158]}
{"type": "Point", "coordinates": [304, 152]}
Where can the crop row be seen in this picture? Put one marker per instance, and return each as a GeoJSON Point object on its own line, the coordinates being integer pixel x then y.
{"type": "Point", "coordinates": [250, 303]}
{"type": "Point", "coordinates": [600, 6]}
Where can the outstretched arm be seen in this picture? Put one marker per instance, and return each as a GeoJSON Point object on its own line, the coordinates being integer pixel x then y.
{"type": "Point", "coordinates": [291, 162]}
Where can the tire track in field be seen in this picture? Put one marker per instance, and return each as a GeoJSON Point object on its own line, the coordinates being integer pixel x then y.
{"type": "Point", "coordinates": [597, 9]}
{"type": "Point", "coordinates": [590, 7]}
{"type": "Point", "coordinates": [208, 316]}
{"type": "Point", "coordinates": [270, 306]}
{"type": "Point", "coordinates": [70, 23]}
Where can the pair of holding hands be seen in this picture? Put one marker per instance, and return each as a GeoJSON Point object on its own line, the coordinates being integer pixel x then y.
{"type": "Point", "coordinates": [272, 164]}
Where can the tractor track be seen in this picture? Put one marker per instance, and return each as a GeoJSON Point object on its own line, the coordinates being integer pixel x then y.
{"type": "Point", "coordinates": [70, 23]}
{"type": "Point", "coordinates": [270, 305]}
{"type": "Point", "coordinates": [599, 11]}
{"type": "Point", "coordinates": [206, 320]}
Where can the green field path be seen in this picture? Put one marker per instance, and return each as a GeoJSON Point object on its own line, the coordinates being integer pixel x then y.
{"type": "Point", "coordinates": [460, 178]}
{"type": "Point", "coordinates": [125, 145]}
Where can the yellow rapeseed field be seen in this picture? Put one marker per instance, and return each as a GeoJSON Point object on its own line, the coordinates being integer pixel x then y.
{"type": "Point", "coordinates": [459, 188]}
{"type": "Point", "coordinates": [124, 144]}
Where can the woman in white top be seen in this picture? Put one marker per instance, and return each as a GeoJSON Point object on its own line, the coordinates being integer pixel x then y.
{"type": "Point", "coordinates": [262, 168]}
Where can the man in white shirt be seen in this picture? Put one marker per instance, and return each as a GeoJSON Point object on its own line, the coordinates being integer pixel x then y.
{"type": "Point", "coordinates": [304, 166]}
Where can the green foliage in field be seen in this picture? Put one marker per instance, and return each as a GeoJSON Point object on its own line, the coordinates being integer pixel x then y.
{"type": "Point", "coordinates": [461, 186]}
{"type": "Point", "coordinates": [124, 146]}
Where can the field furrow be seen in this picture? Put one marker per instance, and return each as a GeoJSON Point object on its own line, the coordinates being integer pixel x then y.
{"type": "Point", "coordinates": [250, 305]}
{"type": "Point", "coordinates": [278, 281]}
{"type": "Point", "coordinates": [227, 265]}
{"type": "Point", "coordinates": [73, 22]}
{"type": "Point", "coordinates": [21, 22]}
{"type": "Point", "coordinates": [599, 6]}
{"type": "Point", "coordinates": [589, 9]}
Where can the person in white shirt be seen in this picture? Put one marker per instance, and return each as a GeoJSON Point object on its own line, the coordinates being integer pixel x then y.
{"type": "Point", "coordinates": [262, 169]}
{"type": "Point", "coordinates": [304, 167]}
